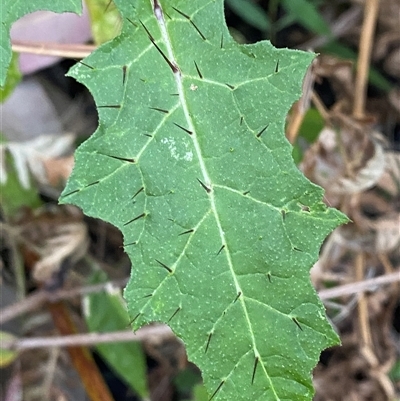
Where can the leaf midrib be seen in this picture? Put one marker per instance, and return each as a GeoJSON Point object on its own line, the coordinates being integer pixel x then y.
{"type": "Point", "coordinates": [207, 181]}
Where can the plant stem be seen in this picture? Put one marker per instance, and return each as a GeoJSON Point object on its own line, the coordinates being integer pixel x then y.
{"type": "Point", "coordinates": [366, 41]}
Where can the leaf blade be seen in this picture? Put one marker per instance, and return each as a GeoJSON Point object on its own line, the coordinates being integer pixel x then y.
{"type": "Point", "coordinates": [217, 220]}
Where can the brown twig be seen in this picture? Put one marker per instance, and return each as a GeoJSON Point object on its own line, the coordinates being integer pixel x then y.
{"type": "Point", "coordinates": [53, 49]}
{"type": "Point", "coordinates": [81, 357]}
{"type": "Point", "coordinates": [38, 298]}
{"type": "Point", "coordinates": [383, 258]}
{"type": "Point", "coordinates": [359, 286]}
{"type": "Point", "coordinates": [301, 106]}
{"type": "Point", "coordinates": [296, 119]}
{"type": "Point", "coordinates": [366, 42]}
{"type": "Point", "coordinates": [88, 339]}
{"type": "Point", "coordinates": [363, 318]}
{"type": "Point", "coordinates": [320, 106]}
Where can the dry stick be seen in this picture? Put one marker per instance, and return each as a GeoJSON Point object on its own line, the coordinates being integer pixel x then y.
{"type": "Point", "coordinates": [383, 258]}
{"type": "Point", "coordinates": [81, 358]}
{"type": "Point", "coordinates": [65, 294]}
{"type": "Point", "coordinates": [366, 41]}
{"type": "Point", "coordinates": [358, 287]}
{"type": "Point", "coordinates": [320, 106]}
{"type": "Point", "coordinates": [301, 106]}
{"type": "Point", "coordinates": [89, 338]}
{"type": "Point", "coordinates": [35, 300]}
{"type": "Point", "coordinates": [53, 49]}
{"type": "Point", "coordinates": [381, 374]}
{"type": "Point", "coordinates": [377, 370]}
{"type": "Point", "coordinates": [296, 119]}
{"type": "Point", "coordinates": [29, 303]}
{"type": "Point", "coordinates": [362, 303]}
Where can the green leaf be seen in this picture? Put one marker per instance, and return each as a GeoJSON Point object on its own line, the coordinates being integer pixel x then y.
{"type": "Point", "coordinates": [106, 312]}
{"type": "Point", "coordinates": [13, 195]}
{"type": "Point", "coordinates": [200, 393]}
{"type": "Point", "coordinates": [191, 163]}
{"type": "Point", "coordinates": [7, 356]}
{"type": "Point", "coordinates": [105, 20]}
{"type": "Point", "coordinates": [297, 153]}
{"type": "Point", "coordinates": [13, 78]}
{"type": "Point", "coordinates": [394, 373]}
{"type": "Point", "coordinates": [11, 10]}
{"type": "Point", "coordinates": [250, 12]}
{"type": "Point", "coordinates": [312, 125]}
{"type": "Point", "coordinates": [186, 380]}
{"type": "Point", "coordinates": [307, 15]}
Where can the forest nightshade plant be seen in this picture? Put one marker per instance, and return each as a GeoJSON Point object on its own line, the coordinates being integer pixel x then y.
{"type": "Point", "coordinates": [190, 162]}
